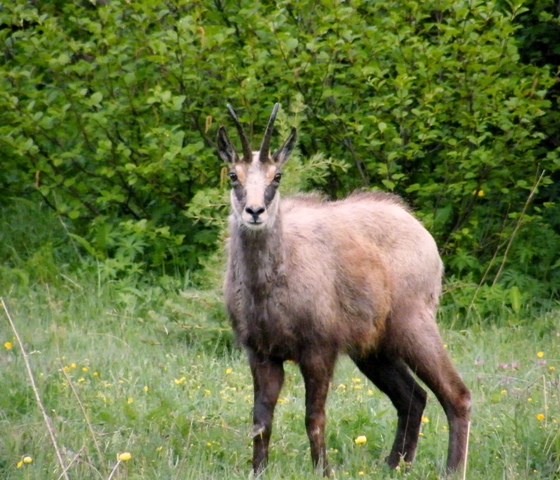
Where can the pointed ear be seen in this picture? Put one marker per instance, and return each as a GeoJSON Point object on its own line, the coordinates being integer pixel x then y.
{"type": "Point", "coordinates": [282, 154]}
{"type": "Point", "coordinates": [226, 150]}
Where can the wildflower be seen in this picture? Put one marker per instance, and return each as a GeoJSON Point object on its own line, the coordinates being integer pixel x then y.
{"type": "Point", "coordinates": [228, 371]}
{"type": "Point", "coordinates": [540, 354]}
{"type": "Point", "coordinates": [146, 388]}
{"type": "Point", "coordinates": [503, 392]}
{"type": "Point", "coordinates": [540, 417]}
{"type": "Point", "coordinates": [26, 460]}
{"type": "Point", "coordinates": [96, 374]}
{"type": "Point", "coordinates": [179, 381]}
{"type": "Point", "coordinates": [551, 368]}
{"type": "Point", "coordinates": [85, 369]}
{"type": "Point", "coordinates": [130, 400]}
{"type": "Point", "coordinates": [425, 419]}
{"type": "Point", "coordinates": [360, 440]}
{"type": "Point", "coordinates": [73, 365]}
{"type": "Point", "coordinates": [8, 345]}
{"type": "Point", "coordinates": [124, 457]}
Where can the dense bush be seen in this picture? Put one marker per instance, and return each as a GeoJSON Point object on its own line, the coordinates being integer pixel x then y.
{"type": "Point", "coordinates": [108, 111]}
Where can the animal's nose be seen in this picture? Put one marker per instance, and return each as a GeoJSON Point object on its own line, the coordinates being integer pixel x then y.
{"type": "Point", "coordinates": [254, 211]}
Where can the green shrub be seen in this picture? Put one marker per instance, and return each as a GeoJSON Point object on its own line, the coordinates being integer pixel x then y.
{"type": "Point", "coordinates": [109, 110]}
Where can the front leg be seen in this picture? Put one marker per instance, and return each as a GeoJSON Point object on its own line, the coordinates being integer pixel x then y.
{"type": "Point", "coordinates": [268, 377]}
{"type": "Point", "coordinates": [317, 369]}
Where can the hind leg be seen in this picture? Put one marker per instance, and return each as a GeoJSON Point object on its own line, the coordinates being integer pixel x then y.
{"type": "Point", "coordinates": [393, 378]}
{"type": "Point", "coordinates": [421, 347]}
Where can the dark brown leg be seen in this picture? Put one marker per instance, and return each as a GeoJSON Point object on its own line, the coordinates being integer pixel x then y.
{"type": "Point", "coordinates": [393, 378]}
{"type": "Point", "coordinates": [268, 377]}
{"type": "Point", "coordinates": [317, 370]}
{"type": "Point", "coordinates": [428, 359]}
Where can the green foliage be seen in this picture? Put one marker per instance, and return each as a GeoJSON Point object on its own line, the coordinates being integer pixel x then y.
{"type": "Point", "coordinates": [108, 112]}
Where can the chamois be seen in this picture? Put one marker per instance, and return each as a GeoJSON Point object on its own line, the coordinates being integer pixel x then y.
{"type": "Point", "coordinates": [308, 279]}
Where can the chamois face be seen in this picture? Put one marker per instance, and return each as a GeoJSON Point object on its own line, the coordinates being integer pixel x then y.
{"type": "Point", "coordinates": [255, 176]}
{"type": "Point", "coordinates": [254, 196]}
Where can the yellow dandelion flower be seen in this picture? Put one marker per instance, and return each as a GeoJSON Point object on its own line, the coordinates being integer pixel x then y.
{"type": "Point", "coordinates": [228, 371]}
{"type": "Point", "coordinates": [361, 472]}
{"type": "Point", "coordinates": [146, 388]}
{"type": "Point", "coordinates": [73, 365]}
{"type": "Point", "coordinates": [8, 345]}
{"type": "Point", "coordinates": [540, 354]}
{"type": "Point", "coordinates": [179, 381]}
{"type": "Point", "coordinates": [503, 392]}
{"type": "Point", "coordinates": [420, 434]}
{"type": "Point", "coordinates": [124, 457]}
{"type": "Point", "coordinates": [540, 417]}
{"type": "Point", "coordinates": [85, 369]}
{"type": "Point", "coordinates": [96, 374]}
{"type": "Point", "coordinates": [551, 368]}
{"type": "Point", "coordinates": [425, 419]}
{"type": "Point", "coordinates": [130, 400]}
{"type": "Point", "coordinates": [19, 464]}
{"type": "Point", "coordinates": [27, 459]}
{"type": "Point", "coordinates": [360, 440]}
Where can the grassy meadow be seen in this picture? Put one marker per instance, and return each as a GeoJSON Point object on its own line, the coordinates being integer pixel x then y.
{"type": "Point", "coordinates": [146, 367]}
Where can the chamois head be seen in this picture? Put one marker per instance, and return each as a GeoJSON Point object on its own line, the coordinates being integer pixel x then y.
{"type": "Point", "coordinates": [255, 176]}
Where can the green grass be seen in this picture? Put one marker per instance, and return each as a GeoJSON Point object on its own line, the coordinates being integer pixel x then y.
{"type": "Point", "coordinates": [147, 366]}
{"type": "Point", "coordinates": [136, 368]}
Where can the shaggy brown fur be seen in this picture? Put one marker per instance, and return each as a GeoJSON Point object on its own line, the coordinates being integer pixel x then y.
{"type": "Point", "coordinates": [308, 279]}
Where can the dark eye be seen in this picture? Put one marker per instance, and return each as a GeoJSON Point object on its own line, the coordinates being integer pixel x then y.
{"type": "Point", "coordinates": [233, 176]}
{"type": "Point", "coordinates": [277, 177]}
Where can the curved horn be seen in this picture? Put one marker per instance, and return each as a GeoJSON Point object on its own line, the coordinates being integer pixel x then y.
{"type": "Point", "coordinates": [265, 145]}
{"type": "Point", "coordinates": [247, 152]}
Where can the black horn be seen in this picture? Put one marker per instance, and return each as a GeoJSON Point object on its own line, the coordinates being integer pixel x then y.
{"type": "Point", "coordinates": [247, 153]}
{"type": "Point", "coordinates": [265, 145]}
